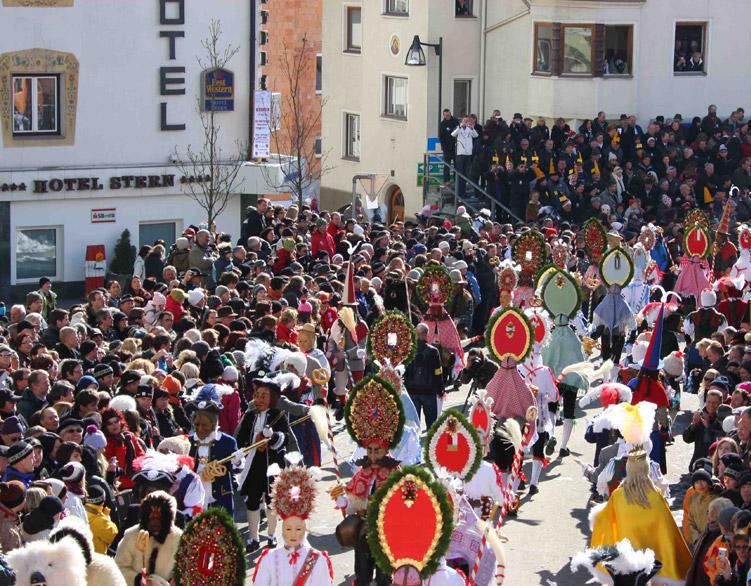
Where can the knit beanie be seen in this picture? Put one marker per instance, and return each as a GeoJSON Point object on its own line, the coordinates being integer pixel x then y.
{"type": "Point", "coordinates": [12, 493]}
{"type": "Point", "coordinates": [72, 472]}
{"type": "Point", "coordinates": [94, 438]}
{"type": "Point", "coordinates": [43, 517]}
{"type": "Point", "coordinates": [96, 495]}
{"type": "Point", "coordinates": [18, 452]}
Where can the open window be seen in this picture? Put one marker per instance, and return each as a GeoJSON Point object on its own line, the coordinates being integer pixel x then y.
{"type": "Point", "coordinates": [690, 47]}
{"type": "Point", "coordinates": [463, 9]}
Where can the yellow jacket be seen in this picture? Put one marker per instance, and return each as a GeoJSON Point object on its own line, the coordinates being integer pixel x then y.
{"type": "Point", "coordinates": [652, 528]}
{"type": "Point", "coordinates": [102, 527]}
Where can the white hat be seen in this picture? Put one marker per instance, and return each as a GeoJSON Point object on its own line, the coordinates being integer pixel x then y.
{"type": "Point", "coordinates": [182, 243]}
{"type": "Point", "coordinates": [708, 298]}
{"type": "Point", "coordinates": [358, 230]}
{"type": "Point", "coordinates": [230, 374]}
{"type": "Point", "coordinates": [460, 265]}
{"type": "Point", "coordinates": [639, 351]}
{"type": "Point", "coordinates": [673, 363]}
{"type": "Point", "coordinates": [195, 297]}
{"type": "Point", "coordinates": [298, 361]}
{"type": "Point", "coordinates": [461, 210]}
{"type": "Point", "coordinates": [443, 245]}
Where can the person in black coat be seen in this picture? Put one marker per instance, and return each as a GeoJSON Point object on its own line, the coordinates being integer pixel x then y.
{"type": "Point", "coordinates": [448, 142]}
{"type": "Point", "coordinates": [423, 377]}
{"type": "Point", "coordinates": [255, 222]}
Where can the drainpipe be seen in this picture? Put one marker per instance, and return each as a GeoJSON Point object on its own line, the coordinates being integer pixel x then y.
{"type": "Point", "coordinates": [483, 40]}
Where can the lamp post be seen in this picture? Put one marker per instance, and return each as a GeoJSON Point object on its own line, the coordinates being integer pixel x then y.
{"type": "Point", "coordinates": [416, 58]}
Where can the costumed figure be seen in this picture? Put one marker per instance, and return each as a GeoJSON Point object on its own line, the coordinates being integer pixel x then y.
{"type": "Point", "coordinates": [508, 279]}
{"type": "Point", "coordinates": [731, 305]}
{"type": "Point", "coordinates": [307, 340]}
{"type": "Point", "coordinates": [742, 267]}
{"type": "Point", "coordinates": [295, 563]}
{"type": "Point", "coordinates": [434, 289]}
{"type": "Point", "coordinates": [148, 550]}
{"type": "Point", "coordinates": [188, 487]}
{"type": "Point", "coordinates": [410, 523]}
{"type": "Point", "coordinates": [305, 431]}
{"type": "Point", "coordinates": [700, 324]}
{"type": "Point", "coordinates": [561, 297]}
{"type": "Point", "coordinates": [613, 318]}
{"type": "Point", "coordinates": [208, 444]}
{"type": "Point", "coordinates": [528, 252]}
{"type": "Point", "coordinates": [674, 369]}
{"type": "Point", "coordinates": [607, 394]}
{"type": "Point", "coordinates": [647, 386]}
{"type": "Point", "coordinates": [375, 420]}
{"type": "Point", "coordinates": [724, 252]}
{"type": "Point", "coordinates": [595, 245]}
{"type": "Point", "coordinates": [262, 437]}
{"type": "Point", "coordinates": [625, 565]}
{"type": "Point", "coordinates": [637, 510]}
{"type": "Point", "coordinates": [211, 551]}
{"type": "Point", "coordinates": [693, 276]}
{"type": "Point", "coordinates": [540, 378]}
{"type": "Point", "coordinates": [636, 293]}
{"type": "Point", "coordinates": [122, 444]}
{"type": "Point", "coordinates": [345, 350]}
{"type": "Point", "coordinates": [561, 253]}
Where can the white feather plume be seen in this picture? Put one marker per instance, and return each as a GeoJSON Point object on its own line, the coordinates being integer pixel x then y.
{"type": "Point", "coordinates": [123, 403]}
{"type": "Point", "coordinates": [318, 417]}
{"type": "Point", "coordinates": [630, 560]}
{"type": "Point", "coordinates": [607, 419]}
{"type": "Point", "coordinates": [273, 469]}
{"type": "Point", "coordinates": [293, 458]}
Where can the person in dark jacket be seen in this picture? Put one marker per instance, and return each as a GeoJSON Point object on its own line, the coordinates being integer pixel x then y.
{"type": "Point", "coordinates": [706, 427]}
{"type": "Point", "coordinates": [448, 142]}
{"type": "Point", "coordinates": [255, 221]}
{"type": "Point", "coordinates": [423, 377]}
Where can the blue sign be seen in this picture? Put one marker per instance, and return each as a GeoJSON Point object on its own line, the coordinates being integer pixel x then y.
{"type": "Point", "coordinates": [218, 90]}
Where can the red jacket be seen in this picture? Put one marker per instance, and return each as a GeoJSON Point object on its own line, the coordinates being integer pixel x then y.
{"type": "Point", "coordinates": [323, 242]}
{"type": "Point", "coordinates": [284, 334]}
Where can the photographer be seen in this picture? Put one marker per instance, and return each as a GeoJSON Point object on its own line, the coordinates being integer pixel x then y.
{"type": "Point", "coordinates": [479, 369]}
{"type": "Point", "coordinates": [706, 427]}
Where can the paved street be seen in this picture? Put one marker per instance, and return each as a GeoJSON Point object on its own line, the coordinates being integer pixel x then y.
{"type": "Point", "coordinates": [550, 528]}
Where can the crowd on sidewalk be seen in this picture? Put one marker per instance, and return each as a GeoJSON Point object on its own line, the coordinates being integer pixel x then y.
{"type": "Point", "coordinates": [216, 375]}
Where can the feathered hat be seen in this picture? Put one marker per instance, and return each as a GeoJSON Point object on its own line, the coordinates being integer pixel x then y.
{"type": "Point", "coordinates": [374, 413]}
{"type": "Point", "coordinates": [674, 363]}
{"type": "Point", "coordinates": [626, 565]}
{"type": "Point", "coordinates": [635, 423]}
{"type": "Point", "coordinates": [744, 237]}
{"type": "Point", "coordinates": [279, 382]}
{"type": "Point", "coordinates": [728, 287]}
{"type": "Point", "coordinates": [608, 394]}
{"type": "Point", "coordinates": [294, 492]}
{"type": "Point", "coordinates": [209, 397]}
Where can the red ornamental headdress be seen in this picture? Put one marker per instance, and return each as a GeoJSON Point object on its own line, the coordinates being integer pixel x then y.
{"type": "Point", "coordinates": [744, 237]}
{"type": "Point", "coordinates": [542, 325]}
{"type": "Point", "coordinates": [409, 523]}
{"type": "Point", "coordinates": [435, 286]}
{"type": "Point", "coordinates": [481, 415]}
{"type": "Point", "coordinates": [561, 253]}
{"type": "Point", "coordinates": [294, 493]}
{"type": "Point", "coordinates": [595, 238]}
{"type": "Point", "coordinates": [453, 445]}
{"type": "Point", "coordinates": [392, 339]}
{"type": "Point", "coordinates": [374, 413]}
{"type": "Point", "coordinates": [529, 253]}
{"type": "Point", "coordinates": [696, 240]}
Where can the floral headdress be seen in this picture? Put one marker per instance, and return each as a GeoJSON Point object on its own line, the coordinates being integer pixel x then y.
{"type": "Point", "coordinates": [294, 493]}
{"type": "Point", "coordinates": [374, 413]}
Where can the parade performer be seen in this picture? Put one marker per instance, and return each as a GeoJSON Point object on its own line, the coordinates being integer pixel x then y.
{"type": "Point", "coordinates": [636, 510]}
{"type": "Point", "coordinates": [307, 340]}
{"type": "Point", "coordinates": [410, 522]}
{"type": "Point", "coordinates": [742, 267]}
{"type": "Point", "coordinates": [595, 245]}
{"type": "Point", "coordinates": [375, 420]}
{"type": "Point", "coordinates": [207, 443]}
{"type": "Point", "coordinates": [636, 293]}
{"type": "Point", "coordinates": [433, 290]}
{"type": "Point", "coordinates": [509, 336]}
{"type": "Point", "coordinates": [731, 305]}
{"type": "Point", "coordinates": [508, 279]}
{"type": "Point", "coordinates": [694, 269]}
{"type": "Point", "coordinates": [305, 432]}
{"type": "Point", "coordinates": [188, 488]}
{"type": "Point", "coordinates": [613, 318]}
{"type": "Point", "coordinates": [528, 252]}
{"type": "Point", "coordinates": [725, 254]}
{"type": "Point", "coordinates": [295, 563]}
{"type": "Point", "coordinates": [626, 565]}
{"type": "Point", "coordinates": [264, 422]}
{"type": "Point", "coordinates": [561, 297]}
{"type": "Point", "coordinates": [345, 351]}
{"type": "Point", "coordinates": [700, 324]}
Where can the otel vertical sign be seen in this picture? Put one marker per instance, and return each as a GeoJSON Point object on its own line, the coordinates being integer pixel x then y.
{"type": "Point", "coordinates": [171, 78]}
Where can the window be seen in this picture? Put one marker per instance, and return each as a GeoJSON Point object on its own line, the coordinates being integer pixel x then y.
{"type": "Point", "coordinates": [618, 47]}
{"type": "Point", "coordinates": [276, 111]}
{"type": "Point", "coordinates": [543, 48]}
{"type": "Point", "coordinates": [690, 47]}
{"type": "Point", "coordinates": [319, 73]}
{"type": "Point", "coordinates": [36, 253]}
{"type": "Point", "coordinates": [150, 232]}
{"type": "Point", "coordinates": [354, 29]}
{"type": "Point", "coordinates": [463, 9]}
{"type": "Point", "coordinates": [395, 104]}
{"type": "Point", "coordinates": [397, 7]}
{"type": "Point", "coordinates": [318, 147]}
{"type": "Point", "coordinates": [577, 49]}
{"type": "Point", "coordinates": [462, 97]}
{"type": "Point", "coordinates": [352, 136]}
{"type": "Point", "coordinates": [36, 106]}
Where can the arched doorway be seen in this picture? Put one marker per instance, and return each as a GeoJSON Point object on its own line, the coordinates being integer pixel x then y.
{"type": "Point", "coordinates": [396, 205]}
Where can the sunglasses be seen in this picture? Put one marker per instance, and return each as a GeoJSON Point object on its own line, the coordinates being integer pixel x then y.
{"type": "Point", "coordinates": [73, 430]}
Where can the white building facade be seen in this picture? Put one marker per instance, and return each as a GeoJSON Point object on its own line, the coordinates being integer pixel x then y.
{"type": "Point", "coordinates": [550, 58]}
{"type": "Point", "coordinates": [96, 99]}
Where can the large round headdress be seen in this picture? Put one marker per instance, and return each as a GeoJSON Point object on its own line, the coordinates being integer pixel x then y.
{"type": "Point", "coordinates": [509, 334]}
{"type": "Point", "coordinates": [294, 492]}
{"type": "Point", "coordinates": [392, 339]}
{"type": "Point", "coordinates": [374, 413]}
{"type": "Point", "coordinates": [434, 286]}
{"type": "Point", "coordinates": [453, 445]}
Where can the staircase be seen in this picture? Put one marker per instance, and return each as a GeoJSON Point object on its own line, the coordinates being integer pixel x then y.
{"type": "Point", "coordinates": [474, 198]}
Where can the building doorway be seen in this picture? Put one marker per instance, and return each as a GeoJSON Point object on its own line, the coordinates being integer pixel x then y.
{"type": "Point", "coordinates": [396, 205]}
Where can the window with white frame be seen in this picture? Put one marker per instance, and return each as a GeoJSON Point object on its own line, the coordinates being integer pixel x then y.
{"type": "Point", "coordinates": [397, 7]}
{"type": "Point", "coordinates": [395, 102]}
{"type": "Point", "coordinates": [36, 104]}
{"type": "Point", "coordinates": [353, 37]}
{"type": "Point", "coordinates": [318, 147]}
{"type": "Point", "coordinates": [37, 253]}
{"type": "Point", "coordinates": [319, 73]}
{"type": "Point", "coordinates": [352, 136]}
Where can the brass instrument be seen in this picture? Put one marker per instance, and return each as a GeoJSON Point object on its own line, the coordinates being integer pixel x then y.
{"type": "Point", "coordinates": [217, 468]}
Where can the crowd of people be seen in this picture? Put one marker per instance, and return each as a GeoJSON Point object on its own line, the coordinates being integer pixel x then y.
{"type": "Point", "coordinates": [219, 373]}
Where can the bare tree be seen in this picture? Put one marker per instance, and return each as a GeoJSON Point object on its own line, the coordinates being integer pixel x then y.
{"type": "Point", "coordinates": [210, 171]}
{"type": "Point", "coordinates": [299, 122]}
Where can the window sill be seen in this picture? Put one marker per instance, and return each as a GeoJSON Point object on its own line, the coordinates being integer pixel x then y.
{"type": "Point", "coordinates": [465, 17]}
{"type": "Point", "coordinates": [352, 51]}
{"type": "Point", "coordinates": [351, 159]}
{"type": "Point", "coordinates": [396, 14]}
{"type": "Point", "coordinates": [618, 76]}
{"type": "Point", "coordinates": [541, 74]}
{"type": "Point", "coordinates": [319, 92]}
{"type": "Point", "coordinates": [689, 73]}
{"type": "Point", "coordinates": [394, 118]}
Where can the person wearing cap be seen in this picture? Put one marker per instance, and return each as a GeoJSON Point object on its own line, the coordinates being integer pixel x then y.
{"type": "Point", "coordinates": [11, 431]}
{"type": "Point", "coordinates": [460, 305]}
{"type": "Point", "coordinates": [12, 502]}
{"type": "Point", "coordinates": [103, 529]}
{"type": "Point", "coordinates": [38, 522]}
{"type": "Point", "coordinates": [20, 463]}
{"type": "Point", "coordinates": [321, 240]}
{"type": "Point", "coordinates": [696, 506]}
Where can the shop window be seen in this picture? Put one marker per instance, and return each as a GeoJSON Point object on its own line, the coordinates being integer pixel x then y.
{"type": "Point", "coordinates": [618, 45]}
{"type": "Point", "coordinates": [150, 232]}
{"type": "Point", "coordinates": [462, 97]}
{"type": "Point", "coordinates": [37, 253]}
{"type": "Point", "coordinates": [397, 7]}
{"type": "Point", "coordinates": [463, 9]}
{"type": "Point", "coordinates": [690, 47]}
{"type": "Point", "coordinates": [395, 103]}
{"type": "Point", "coordinates": [577, 49]}
{"type": "Point", "coordinates": [352, 136]}
{"type": "Point", "coordinates": [354, 29]}
{"type": "Point", "coordinates": [36, 104]}
{"type": "Point", "coordinates": [544, 47]}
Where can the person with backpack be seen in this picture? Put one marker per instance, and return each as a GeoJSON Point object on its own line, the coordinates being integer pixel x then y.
{"type": "Point", "coordinates": [423, 377]}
